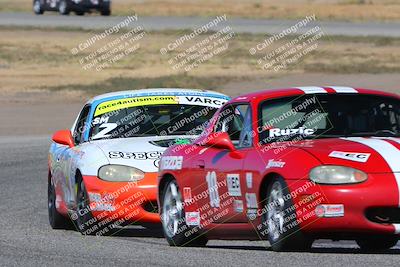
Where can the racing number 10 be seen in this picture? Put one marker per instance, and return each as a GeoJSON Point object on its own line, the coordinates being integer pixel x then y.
{"type": "Point", "coordinates": [211, 178]}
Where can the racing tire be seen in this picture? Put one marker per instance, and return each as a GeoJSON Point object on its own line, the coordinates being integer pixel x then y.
{"type": "Point", "coordinates": [38, 7]}
{"type": "Point", "coordinates": [173, 220]}
{"type": "Point", "coordinates": [377, 243]}
{"type": "Point", "coordinates": [56, 219]}
{"type": "Point", "coordinates": [283, 234]}
{"type": "Point", "coordinates": [86, 224]}
{"type": "Point", "coordinates": [105, 10]}
{"type": "Point", "coordinates": [64, 7]}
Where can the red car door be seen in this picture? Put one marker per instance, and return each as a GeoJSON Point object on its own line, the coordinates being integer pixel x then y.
{"type": "Point", "coordinates": [219, 176]}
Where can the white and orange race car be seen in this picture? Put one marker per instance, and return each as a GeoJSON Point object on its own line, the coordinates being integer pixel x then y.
{"type": "Point", "coordinates": [289, 166]}
{"type": "Point", "coordinates": [103, 171]}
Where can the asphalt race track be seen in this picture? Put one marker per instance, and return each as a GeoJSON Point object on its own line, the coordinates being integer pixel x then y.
{"type": "Point", "coordinates": [238, 25]}
{"type": "Point", "coordinates": [26, 238]}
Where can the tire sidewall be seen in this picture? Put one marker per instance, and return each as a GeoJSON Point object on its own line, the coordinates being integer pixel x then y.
{"type": "Point", "coordinates": [40, 6]}
{"type": "Point", "coordinates": [182, 238]}
{"type": "Point", "coordinates": [291, 238]}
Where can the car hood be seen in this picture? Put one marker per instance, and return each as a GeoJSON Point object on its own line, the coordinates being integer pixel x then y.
{"type": "Point", "coordinates": [140, 152]}
{"type": "Point", "coordinates": [371, 155]}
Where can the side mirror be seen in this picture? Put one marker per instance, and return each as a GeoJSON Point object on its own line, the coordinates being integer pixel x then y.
{"type": "Point", "coordinates": [63, 137]}
{"type": "Point", "coordinates": [220, 140]}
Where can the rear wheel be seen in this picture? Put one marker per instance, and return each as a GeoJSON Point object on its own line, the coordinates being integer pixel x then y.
{"type": "Point", "coordinates": [38, 8]}
{"type": "Point", "coordinates": [376, 243]}
{"type": "Point", "coordinates": [64, 7]}
{"type": "Point", "coordinates": [283, 233]}
{"type": "Point", "coordinates": [105, 10]}
{"type": "Point", "coordinates": [56, 220]}
{"type": "Point", "coordinates": [173, 220]}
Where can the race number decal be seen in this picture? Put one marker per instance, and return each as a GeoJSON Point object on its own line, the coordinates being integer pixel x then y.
{"type": "Point", "coordinates": [108, 127]}
{"type": "Point", "coordinates": [211, 179]}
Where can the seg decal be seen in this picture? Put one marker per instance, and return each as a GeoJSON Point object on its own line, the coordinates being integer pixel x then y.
{"type": "Point", "coordinates": [275, 164]}
{"type": "Point", "coordinates": [187, 195]}
{"type": "Point", "coordinates": [233, 181]}
{"type": "Point", "coordinates": [192, 218]}
{"type": "Point", "coordinates": [251, 201]}
{"type": "Point", "coordinates": [135, 155]}
{"type": "Point", "coordinates": [238, 205]}
{"type": "Point", "coordinates": [276, 132]}
{"type": "Point", "coordinates": [171, 163]}
{"type": "Point", "coordinates": [353, 156]}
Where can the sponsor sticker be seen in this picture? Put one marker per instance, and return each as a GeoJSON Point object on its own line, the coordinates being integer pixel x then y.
{"type": "Point", "coordinates": [171, 163]}
{"type": "Point", "coordinates": [249, 179]}
{"type": "Point", "coordinates": [252, 214]}
{"type": "Point", "coordinates": [275, 164]}
{"type": "Point", "coordinates": [187, 194]}
{"type": "Point", "coordinates": [122, 103]}
{"type": "Point", "coordinates": [276, 132]}
{"type": "Point", "coordinates": [202, 101]}
{"type": "Point", "coordinates": [353, 156]}
{"type": "Point", "coordinates": [329, 211]}
{"type": "Point", "coordinates": [251, 201]}
{"type": "Point", "coordinates": [238, 205]}
{"type": "Point", "coordinates": [233, 181]}
{"type": "Point", "coordinates": [192, 218]}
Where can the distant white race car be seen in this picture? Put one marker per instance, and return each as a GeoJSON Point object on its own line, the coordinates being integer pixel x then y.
{"type": "Point", "coordinates": [103, 172]}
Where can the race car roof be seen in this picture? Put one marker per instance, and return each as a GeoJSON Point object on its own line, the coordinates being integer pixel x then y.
{"type": "Point", "coordinates": [292, 91]}
{"type": "Point", "coordinates": [157, 92]}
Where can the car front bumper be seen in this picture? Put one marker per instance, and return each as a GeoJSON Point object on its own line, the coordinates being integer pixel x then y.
{"type": "Point", "coordinates": [371, 207]}
{"type": "Point", "coordinates": [123, 203]}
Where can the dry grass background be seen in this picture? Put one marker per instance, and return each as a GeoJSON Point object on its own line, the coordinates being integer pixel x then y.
{"type": "Point", "coordinates": [40, 59]}
{"type": "Point", "coordinates": [353, 10]}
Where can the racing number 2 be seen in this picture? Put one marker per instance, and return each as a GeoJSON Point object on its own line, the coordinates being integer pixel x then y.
{"type": "Point", "coordinates": [211, 179]}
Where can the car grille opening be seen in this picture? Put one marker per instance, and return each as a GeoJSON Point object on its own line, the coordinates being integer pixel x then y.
{"type": "Point", "coordinates": [384, 215]}
{"type": "Point", "coordinates": [151, 206]}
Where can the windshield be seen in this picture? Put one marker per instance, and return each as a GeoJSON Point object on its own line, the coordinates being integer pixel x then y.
{"type": "Point", "coordinates": [322, 116]}
{"type": "Point", "coordinates": [151, 120]}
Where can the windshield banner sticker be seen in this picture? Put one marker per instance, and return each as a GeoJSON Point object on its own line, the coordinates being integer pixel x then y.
{"type": "Point", "coordinates": [112, 105]}
{"type": "Point", "coordinates": [117, 104]}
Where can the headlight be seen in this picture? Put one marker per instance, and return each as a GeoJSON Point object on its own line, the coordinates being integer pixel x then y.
{"type": "Point", "coordinates": [337, 175]}
{"type": "Point", "coordinates": [120, 173]}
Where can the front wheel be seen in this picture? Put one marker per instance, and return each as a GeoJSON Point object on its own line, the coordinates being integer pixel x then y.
{"type": "Point", "coordinates": [38, 7]}
{"type": "Point", "coordinates": [280, 220]}
{"type": "Point", "coordinates": [176, 231]}
{"type": "Point", "coordinates": [377, 243]}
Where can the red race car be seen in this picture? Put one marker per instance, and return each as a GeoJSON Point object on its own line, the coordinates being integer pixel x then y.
{"type": "Point", "coordinates": [289, 166]}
